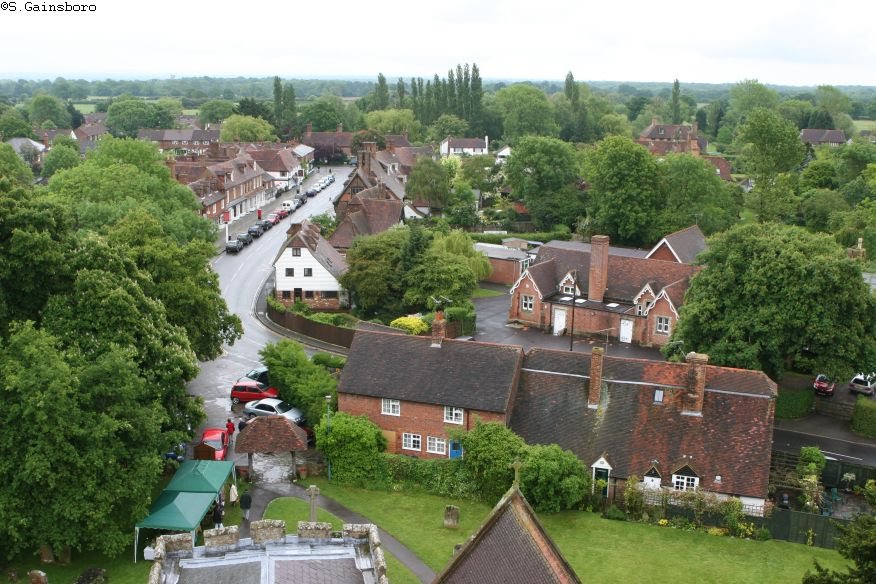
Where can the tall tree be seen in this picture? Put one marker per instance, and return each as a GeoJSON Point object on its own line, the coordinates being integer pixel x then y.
{"type": "Point", "coordinates": [626, 194]}
{"type": "Point", "coordinates": [215, 111]}
{"type": "Point", "coordinates": [675, 103]}
{"type": "Point", "coordinates": [278, 101]}
{"type": "Point", "coordinates": [249, 106]}
{"type": "Point", "coordinates": [13, 168]}
{"type": "Point", "coordinates": [246, 129]}
{"type": "Point", "coordinates": [59, 158]}
{"type": "Point", "coordinates": [695, 194]}
{"type": "Point", "coordinates": [769, 143]}
{"type": "Point", "coordinates": [774, 296]}
{"type": "Point", "coordinates": [526, 111]}
{"type": "Point", "coordinates": [46, 109]}
{"type": "Point", "coordinates": [381, 93]}
{"type": "Point", "coordinates": [400, 93]}
{"type": "Point", "coordinates": [428, 181]}
{"type": "Point", "coordinates": [288, 112]}
{"type": "Point", "coordinates": [572, 91]}
{"type": "Point", "coordinates": [476, 95]}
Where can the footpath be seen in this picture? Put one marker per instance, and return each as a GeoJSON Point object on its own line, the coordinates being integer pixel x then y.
{"type": "Point", "coordinates": [262, 494]}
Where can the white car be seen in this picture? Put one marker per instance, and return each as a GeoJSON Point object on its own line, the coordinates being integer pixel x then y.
{"type": "Point", "coordinates": [271, 406]}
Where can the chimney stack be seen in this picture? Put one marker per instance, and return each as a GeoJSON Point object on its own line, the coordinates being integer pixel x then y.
{"type": "Point", "coordinates": [340, 127]}
{"type": "Point", "coordinates": [598, 277]}
{"type": "Point", "coordinates": [308, 130]}
{"type": "Point", "coordinates": [439, 328]}
{"type": "Point", "coordinates": [696, 384]}
{"type": "Point", "coordinates": [595, 388]}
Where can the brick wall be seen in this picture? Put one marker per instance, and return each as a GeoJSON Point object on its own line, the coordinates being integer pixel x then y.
{"type": "Point", "coordinates": [535, 317]}
{"type": "Point", "coordinates": [416, 418]}
{"type": "Point", "coordinates": [650, 336]}
{"type": "Point", "coordinates": [663, 253]}
{"type": "Point", "coordinates": [504, 271]}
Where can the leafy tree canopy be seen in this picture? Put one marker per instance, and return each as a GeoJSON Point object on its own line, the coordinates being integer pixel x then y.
{"type": "Point", "coordinates": [59, 158]}
{"type": "Point", "coordinates": [428, 181]}
{"type": "Point", "coordinates": [13, 168]}
{"type": "Point", "coordinates": [215, 111]}
{"type": "Point", "coordinates": [237, 128]}
{"type": "Point", "coordinates": [525, 111]}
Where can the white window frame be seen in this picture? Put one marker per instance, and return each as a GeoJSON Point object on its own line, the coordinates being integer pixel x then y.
{"type": "Point", "coordinates": [658, 396]}
{"type": "Point", "coordinates": [436, 445]}
{"type": "Point", "coordinates": [296, 251]}
{"type": "Point", "coordinates": [685, 483]}
{"type": "Point", "coordinates": [527, 302]}
{"type": "Point", "coordinates": [640, 310]}
{"type": "Point", "coordinates": [524, 264]}
{"type": "Point", "coordinates": [390, 407]}
{"type": "Point", "coordinates": [569, 289]}
{"type": "Point", "coordinates": [454, 415]}
{"type": "Point", "coordinates": [663, 325]}
{"type": "Point", "coordinates": [412, 442]}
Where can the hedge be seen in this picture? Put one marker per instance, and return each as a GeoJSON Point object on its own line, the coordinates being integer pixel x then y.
{"type": "Point", "coordinates": [329, 361]}
{"type": "Point", "coordinates": [794, 403]}
{"type": "Point", "coordinates": [864, 417]}
{"type": "Point", "coordinates": [438, 476]}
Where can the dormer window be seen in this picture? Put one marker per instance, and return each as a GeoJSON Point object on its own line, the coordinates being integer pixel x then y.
{"type": "Point", "coordinates": [568, 289]}
{"type": "Point", "coordinates": [640, 309]}
{"type": "Point", "coordinates": [685, 479]}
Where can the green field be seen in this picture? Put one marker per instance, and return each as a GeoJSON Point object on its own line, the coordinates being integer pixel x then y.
{"type": "Point", "coordinates": [598, 549]}
{"type": "Point", "coordinates": [85, 108]}
{"type": "Point", "coordinates": [865, 125]}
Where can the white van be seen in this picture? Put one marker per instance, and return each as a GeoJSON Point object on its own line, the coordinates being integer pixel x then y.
{"type": "Point", "coordinates": [289, 205]}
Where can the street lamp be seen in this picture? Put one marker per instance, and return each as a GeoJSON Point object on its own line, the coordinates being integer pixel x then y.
{"type": "Point", "coordinates": [328, 423]}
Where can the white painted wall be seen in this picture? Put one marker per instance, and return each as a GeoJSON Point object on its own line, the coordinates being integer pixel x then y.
{"type": "Point", "coordinates": [322, 279]}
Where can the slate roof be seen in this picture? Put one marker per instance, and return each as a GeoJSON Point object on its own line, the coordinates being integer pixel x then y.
{"type": "Point", "coordinates": [306, 235]}
{"type": "Point", "coordinates": [511, 547]}
{"type": "Point", "coordinates": [463, 374]}
{"type": "Point", "coordinates": [732, 439]}
{"type": "Point", "coordinates": [270, 434]}
{"type": "Point", "coordinates": [366, 216]}
{"type": "Point", "coordinates": [181, 135]}
{"type": "Point", "coordinates": [466, 142]}
{"type": "Point", "coordinates": [500, 252]}
{"type": "Point", "coordinates": [627, 274]}
{"type": "Point", "coordinates": [818, 136]}
{"type": "Point", "coordinates": [18, 144]}
{"type": "Point", "coordinates": [685, 243]}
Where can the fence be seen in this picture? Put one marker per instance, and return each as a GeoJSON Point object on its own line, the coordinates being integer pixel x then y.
{"type": "Point", "coordinates": [834, 470]}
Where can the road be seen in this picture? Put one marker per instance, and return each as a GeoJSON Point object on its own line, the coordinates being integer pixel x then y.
{"type": "Point", "coordinates": [241, 277]}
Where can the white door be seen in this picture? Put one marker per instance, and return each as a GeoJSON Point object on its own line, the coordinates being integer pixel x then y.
{"type": "Point", "coordinates": [626, 331]}
{"type": "Point", "coordinates": [559, 321]}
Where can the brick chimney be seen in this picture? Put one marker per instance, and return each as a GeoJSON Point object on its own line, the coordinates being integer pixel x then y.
{"type": "Point", "coordinates": [595, 387]}
{"type": "Point", "coordinates": [439, 328]}
{"type": "Point", "coordinates": [390, 145]}
{"type": "Point", "coordinates": [598, 277]}
{"type": "Point", "coordinates": [46, 139]}
{"type": "Point", "coordinates": [696, 384]}
{"type": "Point", "coordinates": [308, 130]}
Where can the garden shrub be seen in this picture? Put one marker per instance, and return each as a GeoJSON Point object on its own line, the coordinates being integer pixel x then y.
{"type": "Point", "coordinates": [614, 513]}
{"type": "Point", "coordinates": [864, 417]}
{"type": "Point", "coordinates": [490, 449]}
{"type": "Point", "coordinates": [464, 315]}
{"type": "Point", "coordinates": [634, 498]}
{"type": "Point", "coordinates": [339, 319]}
{"type": "Point", "coordinates": [353, 446]}
{"type": "Point", "coordinates": [438, 476]}
{"type": "Point", "coordinates": [811, 462]}
{"type": "Point", "coordinates": [794, 403]}
{"type": "Point", "coordinates": [762, 534]}
{"type": "Point", "coordinates": [718, 531]}
{"type": "Point", "coordinates": [329, 361]}
{"type": "Point", "coordinates": [413, 325]}
{"type": "Point", "coordinates": [276, 305]}
{"type": "Point", "coordinates": [92, 576]}
{"type": "Point", "coordinates": [552, 479]}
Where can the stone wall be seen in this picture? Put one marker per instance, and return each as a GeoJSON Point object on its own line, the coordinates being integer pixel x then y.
{"type": "Point", "coordinates": [314, 530]}
{"type": "Point", "coordinates": [267, 530]}
{"type": "Point", "coordinates": [168, 544]}
{"type": "Point", "coordinates": [369, 530]}
{"type": "Point", "coordinates": [222, 539]}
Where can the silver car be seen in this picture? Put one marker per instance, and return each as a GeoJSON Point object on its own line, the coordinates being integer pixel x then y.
{"type": "Point", "coordinates": [271, 406]}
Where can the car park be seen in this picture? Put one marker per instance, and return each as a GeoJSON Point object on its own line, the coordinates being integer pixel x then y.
{"type": "Point", "coordinates": [248, 390]}
{"type": "Point", "coordinates": [863, 384]}
{"type": "Point", "coordinates": [218, 439]}
{"type": "Point", "coordinates": [256, 230]}
{"type": "Point", "coordinates": [274, 407]}
{"type": "Point", "coordinates": [824, 385]}
{"type": "Point", "coordinates": [245, 238]}
{"type": "Point", "coordinates": [234, 246]}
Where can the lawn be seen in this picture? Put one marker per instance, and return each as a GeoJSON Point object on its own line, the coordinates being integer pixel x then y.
{"type": "Point", "coordinates": [865, 125]}
{"type": "Point", "coordinates": [85, 108]}
{"type": "Point", "coordinates": [485, 293]}
{"type": "Point", "coordinates": [796, 396]}
{"type": "Point", "coordinates": [293, 510]}
{"type": "Point", "coordinates": [598, 549]}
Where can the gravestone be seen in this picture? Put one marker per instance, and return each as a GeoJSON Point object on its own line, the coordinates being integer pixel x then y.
{"type": "Point", "coordinates": [451, 516]}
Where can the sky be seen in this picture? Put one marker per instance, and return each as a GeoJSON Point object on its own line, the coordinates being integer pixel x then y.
{"type": "Point", "coordinates": [779, 42]}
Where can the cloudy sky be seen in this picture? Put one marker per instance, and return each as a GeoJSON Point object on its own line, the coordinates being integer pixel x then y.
{"type": "Point", "coordinates": [800, 42]}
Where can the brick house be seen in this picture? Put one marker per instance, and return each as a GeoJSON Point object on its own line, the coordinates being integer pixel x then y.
{"type": "Point", "coordinates": [451, 146]}
{"type": "Point", "coordinates": [307, 269]}
{"type": "Point", "coordinates": [328, 145]}
{"type": "Point", "coordinates": [237, 185]}
{"type": "Point", "coordinates": [185, 141]}
{"type": "Point", "coordinates": [592, 289]}
{"type": "Point", "coordinates": [682, 246]}
{"type": "Point", "coordinates": [676, 426]}
{"type": "Point", "coordinates": [418, 388]}
{"type": "Point", "coordinates": [367, 213]}
{"type": "Point", "coordinates": [280, 162]}
{"type": "Point", "coordinates": [508, 263]}
{"type": "Point", "coordinates": [662, 139]}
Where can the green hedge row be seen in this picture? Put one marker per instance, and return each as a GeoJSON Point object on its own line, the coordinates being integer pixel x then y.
{"type": "Point", "coordinates": [864, 416]}
{"type": "Point", "coordinates": [794, 403]}
{"type": "Point", "coordinates": [445, 477]}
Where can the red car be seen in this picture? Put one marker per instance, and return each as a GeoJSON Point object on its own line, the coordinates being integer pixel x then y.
{"type": "Point", "coordinates": [281, 212]}
{"type": "Point", "coordinates": [824, 385]}
{"type": "Point", "coordinates": [247, 390]}
{"type": "Point", "coordinates": [218, 439]}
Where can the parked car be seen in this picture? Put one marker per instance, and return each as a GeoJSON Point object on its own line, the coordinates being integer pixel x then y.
{"type": "Point", "coordinates": [266, 224]}
{"type": "Point", "coordinates": [273, 218]}
{"type": "Point", "coordinates": [259, 374]}
{"type": "Point", "coordinates": [218, 439]}
{"type": "Point", "coordinates": [824, 385]}
{"type": "Point", "coordinates": [301, 198]}
{"type": "Point", "coordinates": [248, 390]}
{"type": "Point", "coordinates": [863, 384]}
{"type": "Point", "coordinates": [281, 212]}
{"type": "Point", "coordinates": [311, 192]}
{"type": "Point", "coordinates": [245, 238]}
{"type": "Point", "coordinates": [234, 246]}
{"type": "Point", "coordinates": [256, 230]}
{"type": "Point", "coordinates": [274, 407]}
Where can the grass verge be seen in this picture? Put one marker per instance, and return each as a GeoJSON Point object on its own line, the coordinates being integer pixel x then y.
{"type": "Point", "coordinates": [486, 293]}
{"type": "Point", "coordinates": [598, 549]}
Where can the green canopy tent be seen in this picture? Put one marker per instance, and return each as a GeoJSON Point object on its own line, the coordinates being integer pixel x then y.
{"type": "Point", "coordinates": [187, 498]}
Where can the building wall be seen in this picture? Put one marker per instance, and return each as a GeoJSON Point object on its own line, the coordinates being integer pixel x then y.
{"type": "Point", "coordinates": [417, 418]}
{"type": "Point", "coordinates": [536, 317]}
{"type": "Point", "coordinates": [321, 280]}
{"type": "Point", "coordinates": [504, 271]}
{"type": "Point", "coordinates": [663, 253]}
{"type": "Point", "coordinates": [650, 335]}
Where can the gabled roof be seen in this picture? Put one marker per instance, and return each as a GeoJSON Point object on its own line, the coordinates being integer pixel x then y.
{"type": "Point", "coordinates": [494, 251]}
{"type": "Point", "coordinates": [732, 439]}
{"type": "Point", "coordinates": [511, 547]}
{"type": "Point", "coordinates": [307, 235]}
{"type": "Point", "coordinates": [465, 142]}
{"type": "Point", "coordinates": [302, 150]}
{"type": "Point", "coordinates": [818, 136]}
{"type": "Point", "coordinates": [271, 434]}
{"type": "Point", "coordinates": [721, 165]}
{"type": "Point", "coordinates": [366, 216]}
{"type": "Point", "coordinates": [685, 244]}
{"type": "Point", "coordinates": [20, 144]}
{"type": "Point", "coordinates": [398, 140]}
{"type": "Point", "coordinates": [275, 160]}
{"type": "Point", "coordinates": [463, 374]}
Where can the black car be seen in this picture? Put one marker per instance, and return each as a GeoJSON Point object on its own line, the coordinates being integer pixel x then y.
{"type": "Point", "coordinates": [244, 238]}
{"type": "Point", "coordinates": [311, 192]}
{"type": "Point", "coordinates": [234, 246]}
{"type": "Point", "coordinates": [256, 230]}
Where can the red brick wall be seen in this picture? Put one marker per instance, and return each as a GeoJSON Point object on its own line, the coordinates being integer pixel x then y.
{"type": "Point", "coordinates": [663, 253]}
{"type": "Point", "coordinates": [504, 271]}
{"type": "Point", "coordinates": [424, 419]}
{"type": "Point", "coordinates": [651, 336]}
{"type": "Point", "coordinates": [537, 317]}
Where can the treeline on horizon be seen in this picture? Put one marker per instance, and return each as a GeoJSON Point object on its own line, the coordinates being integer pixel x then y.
{"type": "Point", "coordinates": [197, 89]}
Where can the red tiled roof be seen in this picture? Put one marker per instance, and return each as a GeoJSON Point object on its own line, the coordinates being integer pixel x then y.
{"type": "Point", "coordinates": [270, 434]}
